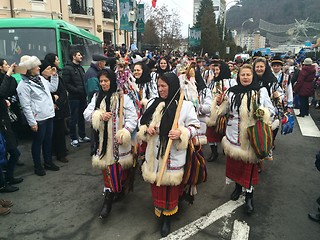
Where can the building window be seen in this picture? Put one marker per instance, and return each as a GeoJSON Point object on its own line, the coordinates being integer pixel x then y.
{"type": "Point", "coordinates": [107, 8]}
{"type": "Point", "coordinates": [79, 6]}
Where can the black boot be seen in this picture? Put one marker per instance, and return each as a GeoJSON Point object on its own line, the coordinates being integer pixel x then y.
{"type": "Point", "coordinates": [214, 153]}
{"type": "Point", "coordinates": [236, 193]}
{"type": "Point", "coordinates": [107, 204]}
{"type": "Point", "coordinates": [165, 226]}
{"type": "Point", "coordinates": [249, 202]}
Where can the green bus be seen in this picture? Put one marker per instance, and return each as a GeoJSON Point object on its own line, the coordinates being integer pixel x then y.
{"type": "Point", "coordinates": [39, 36]}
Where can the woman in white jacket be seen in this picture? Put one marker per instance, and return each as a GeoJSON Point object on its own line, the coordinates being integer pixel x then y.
{"type": "Point", "coordinates": [155, 129]}
{"type": "Point", "coordinates": [111, 143]}
{"type": "Point", "coordinates": [34, 93]}
{"type": "Point", "coordinates": [241, 162]}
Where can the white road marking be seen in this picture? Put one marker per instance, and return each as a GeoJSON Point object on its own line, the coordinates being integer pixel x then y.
{"type": "Point", "coordinates": [203, 222]}
{"type": "Point", "coordinates": [240, 231]}
{"type": "Point", "coordinates": [307, 126]}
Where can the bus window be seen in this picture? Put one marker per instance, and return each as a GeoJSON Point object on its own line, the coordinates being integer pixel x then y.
{"type": "Point", "coordinates": [16, 42]}
{"type": "Point", "coordinates": [65, 47]}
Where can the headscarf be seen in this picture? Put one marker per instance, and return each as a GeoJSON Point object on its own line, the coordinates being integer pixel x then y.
{"type": "Point", "coordinates": [159, 69]}
{"type": "Point", "coordinates": [224, 71]}
{"type": "Point", "coordinates": [145, 77]}
{"type": "Point", "coordinates": [169, 110]}
{"type": "Point", "coordinates": [268, 78]}
{"type": "Point", "coordinates": [107, 96]}
{"type": "Point", "coordinates": [240, 91]}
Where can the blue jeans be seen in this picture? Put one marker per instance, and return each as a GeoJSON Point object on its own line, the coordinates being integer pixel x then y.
{"type": "Point", "coordinates": [42, 139]}
{"type": "Point", "coordinates": [77, 108]}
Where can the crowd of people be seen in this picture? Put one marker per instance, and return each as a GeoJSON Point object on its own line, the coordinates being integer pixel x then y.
{"type": "Point", "coordinates": [147, 110]}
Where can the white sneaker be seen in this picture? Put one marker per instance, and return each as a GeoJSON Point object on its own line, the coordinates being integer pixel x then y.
{"type": "Point", "coordinates": [84, 139]}
{"type": "Point", "coordinates": [75, 143]}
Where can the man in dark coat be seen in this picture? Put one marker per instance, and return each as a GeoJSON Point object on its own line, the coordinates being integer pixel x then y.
{"type": "Point", "coordinates": [73, 76]}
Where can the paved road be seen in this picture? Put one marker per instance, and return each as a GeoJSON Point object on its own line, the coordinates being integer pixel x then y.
{"type": "Point", "coordinates": [65, 204]}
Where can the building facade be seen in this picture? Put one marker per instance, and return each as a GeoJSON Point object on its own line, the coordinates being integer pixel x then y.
{"type": "Point", "coordinates": [96, 16]}
{"type": "Point", "coordinates": [250, 41]}
{"type": "Point", "coordinates": [218, 5]}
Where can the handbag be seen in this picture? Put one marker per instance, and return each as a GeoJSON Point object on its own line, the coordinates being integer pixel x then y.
{"type": "Point", "coordinates": [221, 125]}
{"type": "Point", "coordinates": [13, 117]}
{"type": "Point", "coordinates": [260, 136]}
{"type": "Point", "coordinates": [287, 124]}
{"type": "Point", "coordinates": [195, 170]}
{"type": "Point", "coordinates": [114, 174]}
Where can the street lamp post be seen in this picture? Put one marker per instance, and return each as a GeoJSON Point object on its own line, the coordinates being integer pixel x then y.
{"type": "Point", "coordinates": [248, 20]}
{"type": "Point", "coordinates": [225, 17]}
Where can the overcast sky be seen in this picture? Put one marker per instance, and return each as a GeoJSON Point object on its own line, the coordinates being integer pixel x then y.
{"type": "Point", "coordinates": [185, 10]}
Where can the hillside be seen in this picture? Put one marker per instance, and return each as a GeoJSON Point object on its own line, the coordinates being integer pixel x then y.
{"type": "Point", "coordinates": [273, 11]}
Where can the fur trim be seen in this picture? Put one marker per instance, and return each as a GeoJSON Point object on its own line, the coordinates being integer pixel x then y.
{"type": "Point", "coordinates": [96, 119]}
{"type": "Point", "coordinates": [125, 135]}
{"type": "Point", "coordinates": [157, 115]}
{"type": "Point", "coordinates": [200, 140]}
{"type": "Point", "coordinates": [217, 111]}
{"type": "Point", "coordinates": [142, 133]}
{"type": "Point", "coordinates": [244, 152]}
{"type": "Point", "coordinates": [182, 143]}
{"type": "Point", "coordinates": [126, 161]}
{"type": "Point", "coordinates": [144, 102]}
{"type": "Point", "coordinates": [275, 124]}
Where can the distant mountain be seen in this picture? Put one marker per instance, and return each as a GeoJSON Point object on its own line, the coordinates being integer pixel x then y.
{"type": "Point", "coordinates": [273, 11]}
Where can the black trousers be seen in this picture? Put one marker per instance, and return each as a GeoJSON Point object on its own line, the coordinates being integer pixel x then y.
{"type": "Point", "coordinates": [59, 138]}
{"type": "Point", "coordinates": [304, 106]}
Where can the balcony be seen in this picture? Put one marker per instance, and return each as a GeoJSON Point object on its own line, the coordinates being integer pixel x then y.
{"type": "Point", "coordinates": [76, 9]}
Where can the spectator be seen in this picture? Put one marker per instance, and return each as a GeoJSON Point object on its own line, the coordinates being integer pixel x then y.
{"type": "Point", "coordinates": [62, 111]}
{"type": "Point", "coordinates": [73, 76]}
{"type": "Point", "coordinates": [7, 88]}
{"type": "Point", "coordinates": [37, 105]}
{"type": "Point", "coordinates": [316, 216]}
{"type": "Point", "coordinates": [91, 76]}
{"type": "Point", "coordinates": [304, 86]}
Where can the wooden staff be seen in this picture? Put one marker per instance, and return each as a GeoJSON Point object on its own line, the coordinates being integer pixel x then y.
{"type": "Point", "coordinates": [174, 126]}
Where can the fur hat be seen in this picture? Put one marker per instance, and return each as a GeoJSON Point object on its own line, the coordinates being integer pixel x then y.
{"type": "Point", "coordinates": [29, 62]}
{"type": "Point", "coordinates": [307, 61]}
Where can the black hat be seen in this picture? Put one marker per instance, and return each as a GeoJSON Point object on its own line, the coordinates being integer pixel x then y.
{"type": "Point", "coordinates": [99, 57]}
{"type": "Point", "coordinates": [257, 54]}
{"type": "Point", "coordinates": [44, 65]}
{"type": "Point", "coordinates": [277, 60]}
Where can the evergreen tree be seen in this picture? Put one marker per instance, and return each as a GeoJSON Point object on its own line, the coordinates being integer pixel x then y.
{"type": "Point", "coordinates": [206, 22]}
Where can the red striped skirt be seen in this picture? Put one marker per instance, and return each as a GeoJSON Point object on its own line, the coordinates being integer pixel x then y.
{"type": "Point", "coordinates": [125, 174]}
{"type": "Point", "coordinates": [212, 135]}
{"type": "Point", "coordinates": [246, 174]}
{"type": "Point", "coordinates": [166, 197]}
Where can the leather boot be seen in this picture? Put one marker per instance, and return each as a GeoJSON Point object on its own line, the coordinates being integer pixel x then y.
{"type": "Point", "coordinates": [4, 211]}
{"type": "Point", "coordinates": [165, 226]}
{"type": "Point", "coordinates": [249, 202]}
{"type": "Point", "coordinates": [236, 193]}
{"type": "Point", "coordinates": [107, 204]}
{"type": "Point", "coordinates": [214, 153]}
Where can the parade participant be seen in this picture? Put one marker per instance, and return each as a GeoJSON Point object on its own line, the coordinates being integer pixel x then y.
{"type": "Point", "coordinates": [233, 69]}
{"type": "Point", "coordinates": [241, 160]}
{"type": "Point", "coordinates": [284, 84]}
{"type": "Point", "coordinates": [35, 98]}
{"type": "Point", "coordinates": [112, 141]}
{"type": "Point", "coordinates": [61, 107]}
{"type": "Point", "coordinates": [155, 129]}
{"type": "Point", "coordinates": [209, 74]}
{"type": "Point", "coordinates": [220, 83]}
{"type": "Point", "coordinates": [263, 73]}
{"type": "Point", "coordinates": [8, 86]}
{"type": "Point", "coordinates": [147, 86]}
{"type": "Point", "coordinates": [304, 86]}
{"type": "Point", "coordinates": [162, 67]}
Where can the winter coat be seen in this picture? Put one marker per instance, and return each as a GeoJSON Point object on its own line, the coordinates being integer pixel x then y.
{"type": "Point", "coordinates": [236, 143]}
{"type": "Point", "coordinates": [130, 121]}
{"type": "Point", "coordinates": [304, 85]}
{"type": "Point", "coordinates": [63, 110]}
{"type": "Point", "coordinates": [8, 86]}
{"type": "Point", "coordinates": [188, 124]}
{"type": "Point", "coordinates": [91, 81]}
{"type": "Point", "coordinates": [73, 76]}
{"type": "Point", "coordinates": [36, 102]}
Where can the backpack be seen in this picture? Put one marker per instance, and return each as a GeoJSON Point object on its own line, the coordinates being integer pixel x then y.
{"type": "Point", "coordinates": [3, 151]}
